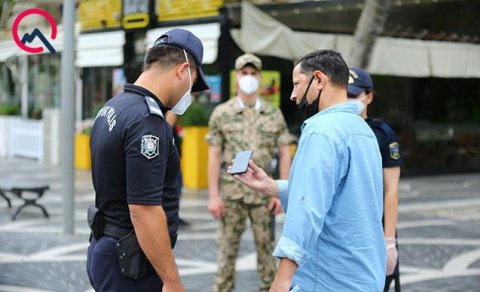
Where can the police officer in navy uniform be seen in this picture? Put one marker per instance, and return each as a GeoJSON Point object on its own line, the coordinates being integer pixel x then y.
{"type": "Point", "coordinates": [135, 163]}
{"type": "Point", "coordinates": [360, 87]}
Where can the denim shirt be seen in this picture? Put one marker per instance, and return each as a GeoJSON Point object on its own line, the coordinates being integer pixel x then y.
{"type": "Point", "coordinates": [334, 205]}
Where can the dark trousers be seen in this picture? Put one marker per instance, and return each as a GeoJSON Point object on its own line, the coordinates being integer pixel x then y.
{"type": "Point", "coordinates": [104, 273]}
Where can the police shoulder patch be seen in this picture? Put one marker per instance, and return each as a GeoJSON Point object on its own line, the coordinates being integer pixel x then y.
{"type": "Point", "coordinates": [394, 150]}
{"type": "Point", "coordinates": [149, 146]}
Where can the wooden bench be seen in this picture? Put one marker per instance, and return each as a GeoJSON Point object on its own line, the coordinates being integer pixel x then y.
{"type": "Point", "coordinates": [21, 187]}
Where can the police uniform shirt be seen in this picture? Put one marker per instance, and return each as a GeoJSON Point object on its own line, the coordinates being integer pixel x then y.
{"type": "Point", "coordinates": [134, 158]}
{"type": "Point", "coordinates": [387, 141]}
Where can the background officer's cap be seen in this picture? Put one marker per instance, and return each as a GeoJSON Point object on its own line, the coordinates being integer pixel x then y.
{"type": "Point", "coordinates": [248, 59]}
{"type": "Point", "coordinates": [186, 40]}
{"type": "Point", "coordinates": [359, 81]}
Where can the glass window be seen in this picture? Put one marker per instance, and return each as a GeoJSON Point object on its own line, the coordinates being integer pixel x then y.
{"type": "Point", "coordinates": [98, 88]}
{"type": "Point", "coordinates": [437, 120]}
{"type": "Point", "coordinates": [43, 83]}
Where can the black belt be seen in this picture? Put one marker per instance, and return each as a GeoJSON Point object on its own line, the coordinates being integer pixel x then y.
{"type": "Point", "coordinates": [115, 230]}
{"type": "Point", "coordinates": [120, 232]}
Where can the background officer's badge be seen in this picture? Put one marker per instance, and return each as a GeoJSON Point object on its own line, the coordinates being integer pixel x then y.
{"type": "Point", "coordinates": [394, 150]}
{"type": "Point", "coordinates": [352, 76]}
{"type": "Point", "coordinates": [149, 147]}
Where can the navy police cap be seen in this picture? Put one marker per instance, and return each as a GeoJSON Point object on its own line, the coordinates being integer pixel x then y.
{"type": "Point", "coordinates": [359, 81]}
{"type": "Point", "coordinates": [184, 39]}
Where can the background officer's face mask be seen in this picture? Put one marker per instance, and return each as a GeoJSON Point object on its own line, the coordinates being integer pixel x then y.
{"type": "Point", "coordinates": [358, 103]}
{"type": "Point", "coordinates": [248, 84]}
{"type": "Point", "coordinates": [309, 110]}
{"type": "Point", "coordinates": [186, 99]}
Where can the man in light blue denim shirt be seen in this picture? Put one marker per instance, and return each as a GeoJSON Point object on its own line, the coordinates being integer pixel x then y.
{"type": "Point", "coordinates": [332, 237]}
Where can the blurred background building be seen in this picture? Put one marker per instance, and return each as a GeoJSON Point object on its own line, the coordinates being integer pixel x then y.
{"type": "Point", "coordinates": [425, 63]}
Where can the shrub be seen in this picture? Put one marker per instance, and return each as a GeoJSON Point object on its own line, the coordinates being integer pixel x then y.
{"type": "Point", "coordinates": [9, 110]}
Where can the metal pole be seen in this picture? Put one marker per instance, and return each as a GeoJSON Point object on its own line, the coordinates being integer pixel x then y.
{"type": "Point", "coordinates": [68, 113]}
{"type": "Point", "coordinates": [24, 85]}
{"type": "Point", "coordinates": [225, 53]}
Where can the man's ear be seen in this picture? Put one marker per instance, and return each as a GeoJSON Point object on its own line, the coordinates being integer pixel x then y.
{"type": "Point", "coordinates": [320, 77]}
{"type": "Point", "coordinates": [180, 69]}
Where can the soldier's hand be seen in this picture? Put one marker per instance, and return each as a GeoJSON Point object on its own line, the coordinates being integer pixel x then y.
{"type": "Point", "coordinates": [275, 206]}
{"type": "Point", "coordinates": [216, 207]}
{"type": "Point", "coordinates": [258, 180]}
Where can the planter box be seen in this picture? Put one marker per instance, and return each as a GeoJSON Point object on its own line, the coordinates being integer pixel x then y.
{"type": "Point", "coordinates": [195, 158]}
{"type": "Point", "coordinates": [82, 152]}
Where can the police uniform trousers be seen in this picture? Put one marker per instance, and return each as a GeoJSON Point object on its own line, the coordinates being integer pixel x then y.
{"type": "Point", "coordinates": [104, 273]}
{"type": "Point", "coordinates": [230, 231]}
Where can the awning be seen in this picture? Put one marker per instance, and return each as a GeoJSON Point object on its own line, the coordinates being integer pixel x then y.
{"type": "Point", "coordinates": [207, 33]}
{"type": "Point", "coordinates": [263, 35]}
{"type": "Point", "coordinates": [100, 49]}
{"type": "Point", "coordinates": [8, 48]}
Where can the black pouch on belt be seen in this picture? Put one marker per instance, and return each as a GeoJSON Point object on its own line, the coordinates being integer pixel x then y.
{"type": "Point", "coordinates": [95, 221]}
{"type": "Point", "coordinates": [131, 259]}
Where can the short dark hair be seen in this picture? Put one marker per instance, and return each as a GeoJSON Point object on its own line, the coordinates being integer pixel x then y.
{"type": "Point", "coordinates": [167, 57]}
{"type": "Point", "coordinates": [329, 62]}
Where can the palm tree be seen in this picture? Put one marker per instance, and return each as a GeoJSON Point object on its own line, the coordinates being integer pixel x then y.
{"type": "Point", "coordinates": [370, 25]}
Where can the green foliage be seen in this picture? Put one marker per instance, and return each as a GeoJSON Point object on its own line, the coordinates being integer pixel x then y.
{"type": "Point", "coordinates": [196, 115]}
{"type": "Point", "coordinates": [9, 110]}
{"type": "Point", "coordinates": [84, 127]}
{"type": "Point", "coordinates": [35, 114]}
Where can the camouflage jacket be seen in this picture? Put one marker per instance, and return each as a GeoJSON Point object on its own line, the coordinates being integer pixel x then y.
{"type": "Point", "coordinates": [235, 127]}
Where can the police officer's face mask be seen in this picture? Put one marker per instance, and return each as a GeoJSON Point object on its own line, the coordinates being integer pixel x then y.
{"type": "Point", "coordinates": [358, 102]}
{"type": "Point", "coordinates": [309, 110]}
{"type": "Point", "coordinates": [186, 99]}
{"type": "Point", "coordinates": [360, 105]}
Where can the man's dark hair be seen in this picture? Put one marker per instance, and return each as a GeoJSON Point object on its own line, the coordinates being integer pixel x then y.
{"type": "Point", "coordinates": [329, 62]}
{"type": "Point", "coordinates": [167, 57]}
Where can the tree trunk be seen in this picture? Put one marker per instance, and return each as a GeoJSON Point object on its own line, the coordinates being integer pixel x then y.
{"type": "Point", "coordinates": [370, 25]}
{"type": "Point", "coordinates": [4, 13]}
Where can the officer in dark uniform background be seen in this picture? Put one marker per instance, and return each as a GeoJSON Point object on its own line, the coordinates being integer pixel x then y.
{"type": "Point", "coordinates": [360, 87]}
{"type": "Point", "coordinates": [134, 168]}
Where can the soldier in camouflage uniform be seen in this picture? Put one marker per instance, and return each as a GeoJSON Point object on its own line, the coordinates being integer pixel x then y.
{"type": "Point", "coordinates": [244, 122]}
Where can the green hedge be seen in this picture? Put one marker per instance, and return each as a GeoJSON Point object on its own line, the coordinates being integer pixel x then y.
{"type": "Point", "coordinates": [9, 110]}
{"type": "Point", "coordinates": [195, 115]}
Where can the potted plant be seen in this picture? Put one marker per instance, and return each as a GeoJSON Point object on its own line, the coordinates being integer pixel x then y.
{"type": "Point", "coordinates": [82, 144]}
{"type": "Point", "coordinates": [194, 147]}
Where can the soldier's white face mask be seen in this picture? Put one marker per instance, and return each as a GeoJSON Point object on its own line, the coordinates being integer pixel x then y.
{"type": "Point", "coordinates": [248, 84]}
{"type": "Point", "coordinates": [186, 99]}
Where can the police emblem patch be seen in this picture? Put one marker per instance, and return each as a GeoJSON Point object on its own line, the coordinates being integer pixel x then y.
{"type": "Point", "coordinates": [149, 146]}
{"type": "Point", "coordinates": [394, 150]}
{"type": "Point", "coordinates": [352, 76]}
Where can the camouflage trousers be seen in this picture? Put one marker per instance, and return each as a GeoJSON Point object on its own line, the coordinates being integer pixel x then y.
{"type": "Point", "coordinates": [229, 233]}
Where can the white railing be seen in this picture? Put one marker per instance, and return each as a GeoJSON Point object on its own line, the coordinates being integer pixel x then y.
{"type": "Point", "coordinates": [26, 138]}
{"type": "Point", "coordinates": [5, 135]}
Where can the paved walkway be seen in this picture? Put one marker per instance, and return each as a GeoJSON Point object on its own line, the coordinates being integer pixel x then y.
{"type": "Point", "coordinates": [439, 236]}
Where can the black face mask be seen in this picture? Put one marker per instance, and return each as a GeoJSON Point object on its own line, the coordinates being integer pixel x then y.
{"type": "Point", "coordinates": [309, 110]}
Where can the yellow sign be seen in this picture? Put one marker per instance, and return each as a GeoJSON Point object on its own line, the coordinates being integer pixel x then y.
{"type": "Point", "coordinates": [99, 14]}
{"type": "Point", "coordinates": [186, 9]}
{"type": "Point", "coordinates": [269, 87]}
{"type": "Point", "coordinates": [137, 20]}
{"type": "Point", "coordinates": [136, 14]}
